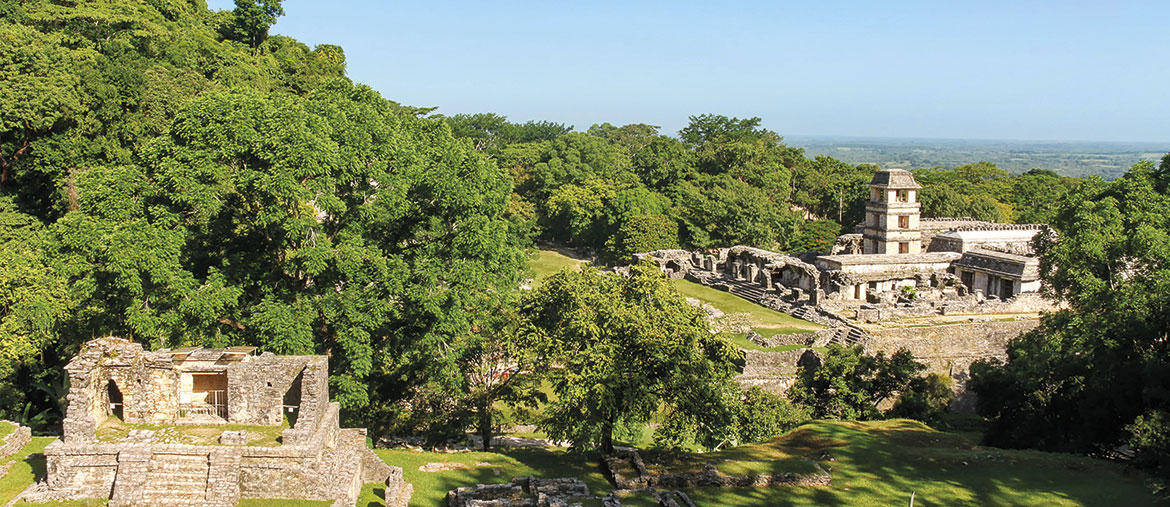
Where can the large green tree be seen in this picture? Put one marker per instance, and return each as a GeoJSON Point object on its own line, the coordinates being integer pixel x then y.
{"type": "Point", "coordinates": [622, 347]}
{"type": "Point", "coordinates": [1098, 366]}
{"type": "Point", "coordinates": [849, 384]}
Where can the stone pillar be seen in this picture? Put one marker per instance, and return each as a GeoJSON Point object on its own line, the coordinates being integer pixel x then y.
{"type": "Point", "coordinates": [709, 263]}
{"type": "Point", "coordinates": [752, 272]}
{"type": "Point", "coordinates": [815, 297]}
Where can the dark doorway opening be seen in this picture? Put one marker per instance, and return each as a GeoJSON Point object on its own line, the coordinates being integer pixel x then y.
{"type": "Point", "coordinates": [291, 406]}
{"type": "Point", "coordinates": [115, 396]}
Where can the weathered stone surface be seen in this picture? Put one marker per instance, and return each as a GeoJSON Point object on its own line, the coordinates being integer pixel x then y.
{"type": "Point", "coordinates": [16, 440]}
{"type": "Point", "coordinates": [521, 491]}
{"type": "Point", "coordinates": [316, 459]}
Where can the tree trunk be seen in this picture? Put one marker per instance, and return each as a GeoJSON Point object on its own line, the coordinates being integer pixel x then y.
{"type": "Point", "coordinates": [607, 438]}
{"type": "Point", "coordinates": [485, 425]}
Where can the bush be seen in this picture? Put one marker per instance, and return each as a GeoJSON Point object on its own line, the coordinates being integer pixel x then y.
{"type": "Point", "coordinates": [926, 399]}
{"type": "Point", "coordinates": [763, 415]}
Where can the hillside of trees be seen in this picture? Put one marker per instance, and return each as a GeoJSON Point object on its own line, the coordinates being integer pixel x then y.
{"type": "Point", "coordinates": [179, 176]}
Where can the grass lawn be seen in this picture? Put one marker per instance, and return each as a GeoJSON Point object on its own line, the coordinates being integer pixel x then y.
{"type": "Point", "coordinates": [742, 342]}
{"type": "Point", "coordinates": [771, 321]}
{"type": "Point", "coordinates": [25, 469]}
{"type": "Point", "coordinates": [430, 488]}
{"type": "Point", "coordinates": [881, 463]}
{"type": "Point", "coordinates": [547, 262]}
{"type": "Point", "coordinates": [113, 430]}
{"type": "Point", "coordinates": [876, 463]}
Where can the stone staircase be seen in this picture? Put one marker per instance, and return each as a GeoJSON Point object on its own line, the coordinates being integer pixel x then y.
{"type": "Point", "coordinates": [841, 335]}
{"type": "Point", "coordinates": [174, 479]}
{"type": "Point", "coordinates": [750, 291]}
{"type": "Point", "coordinates": [181, 479]}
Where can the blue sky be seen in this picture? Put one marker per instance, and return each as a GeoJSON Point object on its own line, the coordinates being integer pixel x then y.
{"type": "Point", "coordinates": [939, 69]}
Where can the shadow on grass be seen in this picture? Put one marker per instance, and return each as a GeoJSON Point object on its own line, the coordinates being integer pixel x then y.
{"type": "Point", "coordinates": [872, 464]}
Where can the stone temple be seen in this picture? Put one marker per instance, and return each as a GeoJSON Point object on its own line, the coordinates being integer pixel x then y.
{"type": "Point", "coordinates": [162, 396]}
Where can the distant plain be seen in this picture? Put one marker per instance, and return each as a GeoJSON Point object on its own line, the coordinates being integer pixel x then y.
{"type": "Point", "coordinates": [1067, 158]}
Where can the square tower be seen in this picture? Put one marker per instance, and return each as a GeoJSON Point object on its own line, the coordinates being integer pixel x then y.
{"type": "Point", "coordinates": [892, 213]}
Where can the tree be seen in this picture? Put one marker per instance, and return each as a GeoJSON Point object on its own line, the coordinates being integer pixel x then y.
{"type": "Point", "coordinates": [814, 236]}
{"type": "Point", "coordinates": [253, 18]}
{"type": "Point", "coordinates": [642, 233]}
{"type": "Point", "coordinates": [925, 399]}
{"type": "Point", "coordinates": [848, 384]}
{"type": "Point", "coordinates": [1093, 375]}
{"type": "Point", "coordinates": [621, 348]}
{"type": "Point", "coordinates": [500, 364]}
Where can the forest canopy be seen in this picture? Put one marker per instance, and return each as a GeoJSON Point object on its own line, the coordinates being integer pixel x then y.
{"type": "Point", "coordinates": [183, 177]}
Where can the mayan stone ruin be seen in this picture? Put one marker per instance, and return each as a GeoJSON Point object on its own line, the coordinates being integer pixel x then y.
{"type": "Point", "coordinates": [114, 382]}
{"type": "Point", "coordinates": [894, 268]}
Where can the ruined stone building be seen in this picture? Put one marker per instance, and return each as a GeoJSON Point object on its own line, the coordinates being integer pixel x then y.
{"type": "Point", "coordinates": [897, 251]}
{"type": "Point", "coordinates": [898, 266]}
{"type": "Point", "coordinates": [113, 380]}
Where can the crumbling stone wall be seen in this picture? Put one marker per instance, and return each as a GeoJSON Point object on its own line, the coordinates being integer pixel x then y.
{"type": "Point", "coordinates": [950, 349]}
{"type": "Point", "coordinates": [316, 460]}
{"type": "Point", "coordinates": [15, 441]}
{"type": "Point", "coordinates": [256, 388]}
{"type": "Point", "coordinates": [521, 491]}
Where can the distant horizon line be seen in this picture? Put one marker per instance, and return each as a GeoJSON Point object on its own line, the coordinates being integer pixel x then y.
{"type": "Point", "coordinates": [1166, 144]}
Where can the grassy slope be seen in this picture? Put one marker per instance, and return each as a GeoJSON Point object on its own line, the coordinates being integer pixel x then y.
{"type": "Point", "coordinates": [729, 303]}
{"type": "Point", "coordinates": [881, 463]}
{"type": "Point", "coordinates": [547, 262]}
{"type": "Point", "coordinates": [876, 463]}
{"type": "Point", "coordinates": [431, 487]}
{"type": "Point", "coordinates": [767, 322]}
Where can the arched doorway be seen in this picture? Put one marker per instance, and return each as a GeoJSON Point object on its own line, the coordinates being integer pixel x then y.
{"type": "Point", "coordinates": [115, 396]}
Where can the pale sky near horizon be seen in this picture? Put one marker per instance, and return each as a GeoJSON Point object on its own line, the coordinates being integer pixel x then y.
{"type": "Point", "coordinates": [1074, 70]}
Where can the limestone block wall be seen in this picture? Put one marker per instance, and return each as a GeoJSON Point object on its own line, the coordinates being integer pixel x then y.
{"type": "Point", "coordinates": [314, 380]}
{"type": "Point", "coordinates": [81, 471]}
{"type": "Point", "coordinates": [16, 440]}
{"type": "Point", "coordinates": [256, 388]}
{"type": "Point", "coordinates": [950, 349]}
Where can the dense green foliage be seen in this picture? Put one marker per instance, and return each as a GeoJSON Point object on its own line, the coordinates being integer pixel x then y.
{"type": "Point", "coordinates": [985, 192]}
{"type": "Point", "coordinates": [175, 176]}
{"type": "Point", "coordinates": [849, 384]}
{"type": "Point", "coordinates": [629, 189]}
{"type": "Point", "coordinates": [1094, 375]}
{"type": "Point", "coordinates": [624, 346]}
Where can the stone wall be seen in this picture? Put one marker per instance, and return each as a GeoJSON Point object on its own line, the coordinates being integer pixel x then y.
{"type": "Point", "coordinates": [951, 348]}
{"type": "Point", "coordinates": [316, 460]}
{"type": "Point", "coordinates": [256, 388]}
{"type": "Point", "coordinates": [15, 441]}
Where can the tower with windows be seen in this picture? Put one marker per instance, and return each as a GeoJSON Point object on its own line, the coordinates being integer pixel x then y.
{"type": "Point", "coordinates": [892, 213]}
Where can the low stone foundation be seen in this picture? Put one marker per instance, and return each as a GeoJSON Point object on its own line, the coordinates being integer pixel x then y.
{"type": "Point", "coordinates": [709, 477]}
{"type": "Point", "coordinates": [520, 492]}
{"type": "Point", "coordinates": [16, 440]}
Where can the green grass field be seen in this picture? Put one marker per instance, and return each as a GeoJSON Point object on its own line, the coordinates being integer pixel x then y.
{"type": "Point", "coordinates": [547, 262]}
{"type": "Point", "coordinates": [430, 488]}
{"type": "Point", "coordinates": [873, 464]}
{"type": "Point", "coordinates": [766, 322]}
